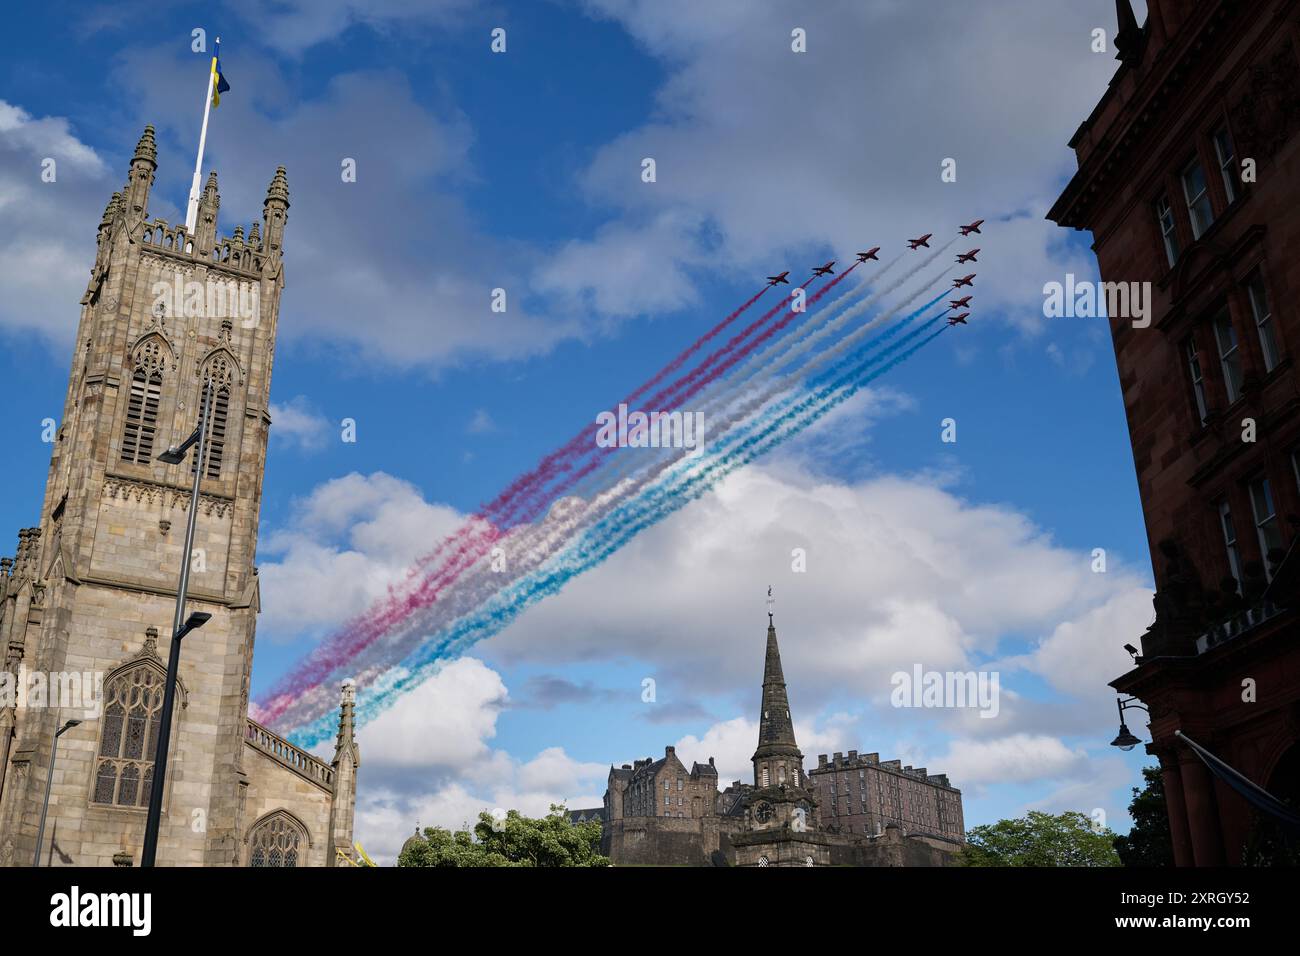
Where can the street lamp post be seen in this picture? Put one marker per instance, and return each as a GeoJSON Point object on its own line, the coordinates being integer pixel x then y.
{"type": "Point", "coordinates": [1125, 740]}
{"type": "Point", "coordinates": [180, 627]}
{"type": "Point", "coordinates": [49, 782]}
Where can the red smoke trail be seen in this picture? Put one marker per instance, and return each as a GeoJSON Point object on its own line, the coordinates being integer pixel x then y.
{"type": "Point", "coordinates": [665, 398]}
{"type": "Point", "coordinates": [526, 494]}
{"type": "Point", "coordinates": [678, 362]}
{"type": "Point", "coordinates": [469, 548]}
{"type": "Point", "coordinates": [399, 602]}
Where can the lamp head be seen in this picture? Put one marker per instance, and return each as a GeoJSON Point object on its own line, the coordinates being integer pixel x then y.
{"type": "Point", "coordinates": [1125, 740]}
{"type": "Point", "coordinates": [193, 622]}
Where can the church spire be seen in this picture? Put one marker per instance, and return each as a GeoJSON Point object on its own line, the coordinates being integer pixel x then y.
{"type": "Point", "coordinates": [775, 726]}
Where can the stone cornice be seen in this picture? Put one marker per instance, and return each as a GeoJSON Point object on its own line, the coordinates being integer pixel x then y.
{"type": "Point", "coordinates": [1149, 103]}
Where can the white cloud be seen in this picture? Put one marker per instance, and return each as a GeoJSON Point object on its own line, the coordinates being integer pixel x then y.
{"type": "Point", "coordinates": [779, 156]}
{"type": "Point", "coordinates": [444, 724]}
{"type": "Point", "coordinates": [1019, 758]}
{"type": "Point", "coordinates": [297, 423]}
{"type": "Point", "coordinates": [429, 760]}
{"type": "Point", "coordinates": [48, 247]}
{"type": "Point", "coordinates": [412, 290]}
{"type": "Point", "coordinates": [639, 269]}
{"type": "Point", "coordinates": [347, 541]}
{"type": "Point", "coordinates": [294, 26]}
{"type": "Point", "coordinates": [482, 423]}
{"type": "Point", "coordinates": [900, 571]}
{"type": "Point", "coordinates": [731, 743]}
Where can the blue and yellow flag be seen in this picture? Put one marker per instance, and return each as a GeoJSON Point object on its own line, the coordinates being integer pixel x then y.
{"type": "Point", "coordinates": [219, 84]}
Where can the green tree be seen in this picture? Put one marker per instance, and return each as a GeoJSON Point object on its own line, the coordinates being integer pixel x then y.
{"type": "Point", "coordinates": [552, 840]}
{"type": "Point", "coordinates": [1041, 839]}
{"type": "Point", "coordinates": [1148, 843]}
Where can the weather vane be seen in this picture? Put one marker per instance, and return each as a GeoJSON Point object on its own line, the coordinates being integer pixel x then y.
{"type": "Point", "coordinates": [770, 602]}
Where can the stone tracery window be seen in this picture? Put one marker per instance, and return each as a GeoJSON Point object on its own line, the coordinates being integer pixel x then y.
{"type": "Point", "coordinates": [128, 737]}
{"type": "Point", "coordinates": [277, 841]}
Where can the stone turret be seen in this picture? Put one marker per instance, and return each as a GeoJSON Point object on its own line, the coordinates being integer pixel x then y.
{"type": "Point", "coordinates": [143, 165]}
{"type": "Point", "coordinates": [275, 211]}
{"type": "Point", "coordinates": [205, 229]}
{"type": "Point", "coordinates": [347, 758]}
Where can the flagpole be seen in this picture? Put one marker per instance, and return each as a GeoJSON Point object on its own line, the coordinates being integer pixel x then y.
{"type": "Point", "coordinates": [192, 211]}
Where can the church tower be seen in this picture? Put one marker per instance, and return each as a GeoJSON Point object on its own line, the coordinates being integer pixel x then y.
{"type": "Point", "coordinates": [92, 594]}
{"type": "Point", "coordinates": [781, 820]}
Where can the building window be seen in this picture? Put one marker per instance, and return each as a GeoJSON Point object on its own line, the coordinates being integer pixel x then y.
{"type": "Point", "coordinates": [277, 841]}
{"type": "Point", "coordinates": [1227, 162]}
{"type": "Point", "coordinates": [1266, 526]}
{"type": "Point", "coordinates": [128, 737]}
{"type": "Point", "coordinates": [765, 777]}
{"type": "Point", "coordinates": [142, 405]}
{"type": "Point", "coordinates": [679, 783]}
{"type": "Point", "coordinates": [1230, 540]}
{"type": "Point", "coordinates": [1165, 216]}
{"type": "Point", "coordinates": [1199, 210]}
{"type": "Point", "coordinates": [1263, 322]}
{"type": "Point", "coordinates": [1229, 355]}
{"type": "Point", "coordinates": [218, 376]}
{"type": "Point", "coordinates": [1198, 381]}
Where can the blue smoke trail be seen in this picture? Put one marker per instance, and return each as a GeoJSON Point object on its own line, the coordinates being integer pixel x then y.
{"type": "Point", "coordinates": [597, 545]}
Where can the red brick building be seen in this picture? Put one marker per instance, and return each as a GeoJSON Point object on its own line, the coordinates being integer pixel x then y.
{"type": "Point", "coordinates": [1189, 179]}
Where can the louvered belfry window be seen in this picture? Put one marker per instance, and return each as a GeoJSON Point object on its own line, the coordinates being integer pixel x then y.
{"type": "Point", "coordinates": [217, 376]}
{"type": "Point", "coordinates": [142, 405]}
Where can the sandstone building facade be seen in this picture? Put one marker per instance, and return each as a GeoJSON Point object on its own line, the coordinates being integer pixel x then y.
{"type": "Point", "coordinates": [863, 794]}
{"type": "Point", "coordinates": [856, 812]}
{"type": "Point", "coordinates": [1189, 180]}
{"type": "Point", "coordinates": [92, 589]}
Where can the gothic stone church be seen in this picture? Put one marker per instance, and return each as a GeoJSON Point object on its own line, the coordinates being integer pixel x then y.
{"type": "Point", "coordinates": [92, 589]}
{"type": "Point", "coordinates": [846, 812]}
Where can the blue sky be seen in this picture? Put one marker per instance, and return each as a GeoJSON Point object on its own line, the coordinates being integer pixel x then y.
{"type": "Point", "coordinates": [519, 170]}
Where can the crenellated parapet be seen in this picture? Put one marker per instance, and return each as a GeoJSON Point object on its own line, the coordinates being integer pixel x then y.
{"type": "Point", "coordinates": [227, 255]}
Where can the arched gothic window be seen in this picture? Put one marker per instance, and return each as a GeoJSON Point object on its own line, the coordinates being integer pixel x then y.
{"type": "Point", "coordinates": [277, 840]}
{"type": "Point", "coordinates": [128, 737]}
{"type": "Point", "coordinates": [142, 405]}
{"type": "Point", "coordinates": [218, 375]}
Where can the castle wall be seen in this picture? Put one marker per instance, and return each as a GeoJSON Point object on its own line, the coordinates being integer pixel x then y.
{"type": "Point", "coordinates": [892, 848]}
{"type": "Point", "coordinates": [669, 841]}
